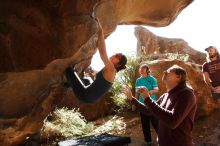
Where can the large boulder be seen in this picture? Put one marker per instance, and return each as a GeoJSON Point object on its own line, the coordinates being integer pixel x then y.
{"type": "Point", "coordinates": [34, 33]}
{"type": "Point", "coordinates": [39, 39]}
{"type": "Point", "coordinates": [149, 43]}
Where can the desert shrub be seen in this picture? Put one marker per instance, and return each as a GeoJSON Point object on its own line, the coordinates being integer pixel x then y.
{"type": "Point", "coordinates": [173, 56]}
{"type": "Point", "coordinates": [124, 78]}
{"type": "Point", "coordinates": [69, 123]}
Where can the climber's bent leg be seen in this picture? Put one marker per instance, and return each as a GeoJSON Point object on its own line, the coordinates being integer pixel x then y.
{"type": "Point", "coordinates": [91, 93]}
{"type": "Point", "coordinates": [75, 82]}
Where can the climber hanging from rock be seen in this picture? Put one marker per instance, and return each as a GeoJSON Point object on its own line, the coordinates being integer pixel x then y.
{"type": "Point", "coordinates": [104, 78]}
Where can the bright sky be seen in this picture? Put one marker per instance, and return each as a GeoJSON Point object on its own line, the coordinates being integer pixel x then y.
{"type": "Point", "coordinates": [198, 24]}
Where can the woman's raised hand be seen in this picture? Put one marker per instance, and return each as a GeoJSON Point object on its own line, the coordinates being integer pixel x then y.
{"type": "Point", "coordinates": [127, 92]}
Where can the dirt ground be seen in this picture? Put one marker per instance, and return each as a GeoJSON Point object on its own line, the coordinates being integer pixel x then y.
{"type": "Point", "coordinates": [205, 133]}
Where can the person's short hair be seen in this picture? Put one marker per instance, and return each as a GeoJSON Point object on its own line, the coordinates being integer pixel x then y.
{"type": "Point", "coordinates": [146, 67]}
{"type": "Point", "coordinates": [210, 47]}
{"type": "Point", "coordinates": [216, 50]}
{"type": "Point", "coordinates": [179, 71]}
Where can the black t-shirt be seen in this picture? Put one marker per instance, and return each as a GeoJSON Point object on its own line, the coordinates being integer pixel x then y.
{"type": "Point", "coordinates": [213, 69]}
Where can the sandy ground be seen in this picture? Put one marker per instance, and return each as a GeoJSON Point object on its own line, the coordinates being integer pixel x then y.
{"type": "Point", "coordinates": [205, 133]}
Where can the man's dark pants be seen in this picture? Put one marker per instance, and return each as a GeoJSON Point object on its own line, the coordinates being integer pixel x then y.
{"type": "Point", "coordinates": [145, 121]}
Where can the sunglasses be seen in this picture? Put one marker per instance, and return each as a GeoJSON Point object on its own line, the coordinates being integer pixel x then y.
{"type": "Point", "coordinates": [167, 72]}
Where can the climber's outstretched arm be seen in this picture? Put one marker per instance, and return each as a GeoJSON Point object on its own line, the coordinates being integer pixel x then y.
{"type": "Point", "coordinates": [102, 47]}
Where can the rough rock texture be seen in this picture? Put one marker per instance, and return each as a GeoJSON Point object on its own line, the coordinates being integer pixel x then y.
{"type": "Point", "coordinates": [34, 33]}
{"type": "Point", "coordinates": [149, 43]}
{"type": "Point", "coordinates": [39, 39]}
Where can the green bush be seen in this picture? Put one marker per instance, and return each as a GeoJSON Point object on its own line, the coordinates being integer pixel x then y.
{"type": "Point", "coordinates": [124, 78]}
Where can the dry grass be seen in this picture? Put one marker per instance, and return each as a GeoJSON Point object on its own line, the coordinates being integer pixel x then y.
{"type": "Point", "coordinates": [65, 123]}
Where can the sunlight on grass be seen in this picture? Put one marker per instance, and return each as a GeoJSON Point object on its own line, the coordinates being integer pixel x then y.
{"type": "Point", "coordinates": [65, 123]}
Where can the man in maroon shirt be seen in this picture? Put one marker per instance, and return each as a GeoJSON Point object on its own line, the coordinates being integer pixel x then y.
{"type": "Point", "coordinates": [211, 72]}
{"type": "Point", "coordinates": [174, 109]}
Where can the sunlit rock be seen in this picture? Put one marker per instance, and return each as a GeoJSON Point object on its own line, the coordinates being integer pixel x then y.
{"type": "Point", "coordinates": [149, 43]}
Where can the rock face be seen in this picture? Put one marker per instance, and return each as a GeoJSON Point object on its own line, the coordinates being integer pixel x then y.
{"type": "Point", "coordinates": [34, 33]}
{"type": "Point", "coordinates": [149, 43]}
{"type": "Point", "coordinates": [39, 39]}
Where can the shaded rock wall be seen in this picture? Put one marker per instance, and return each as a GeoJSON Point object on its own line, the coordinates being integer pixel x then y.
{"type": "Point", "coordinates": [39, 39]}
{"type": "Point", "coordinates": [34, 33]}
